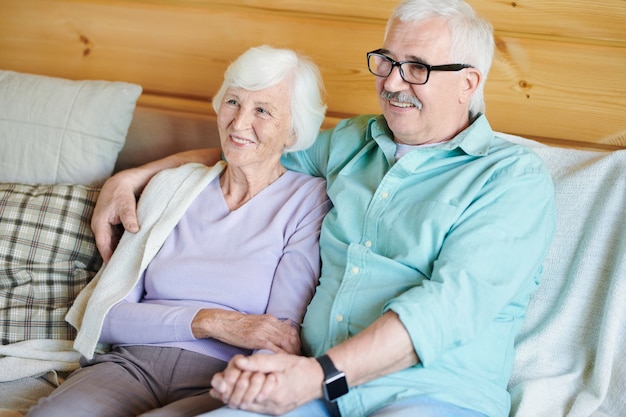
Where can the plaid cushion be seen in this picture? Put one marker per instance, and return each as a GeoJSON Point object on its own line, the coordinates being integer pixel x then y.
{"type": "Point", "coordinates": [47, 255]}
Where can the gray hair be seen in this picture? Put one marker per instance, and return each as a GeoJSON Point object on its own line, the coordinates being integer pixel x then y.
{"type": "Point", "coordinates": [265, 66]}
{"type": "Point", "coordinates": [472, 36]}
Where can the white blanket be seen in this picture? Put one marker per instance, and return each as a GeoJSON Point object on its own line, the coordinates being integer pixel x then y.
{"type": "Point", "coordinates": [36, 357]}
{"type": "Point", "coordinates": [569, 357]}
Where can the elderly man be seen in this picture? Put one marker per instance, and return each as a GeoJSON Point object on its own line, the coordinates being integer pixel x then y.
{"type": "Point", "coordinates": [431, 251]}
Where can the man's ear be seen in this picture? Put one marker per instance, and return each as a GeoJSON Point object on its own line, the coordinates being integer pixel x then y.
{"type": "Point", "coordinates": [469, 83]}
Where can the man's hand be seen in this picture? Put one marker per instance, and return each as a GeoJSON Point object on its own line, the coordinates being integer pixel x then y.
{"type": "Point", "coordinates": [252, 331]}
{"type": "Point", "coordinates": [115, 211]}
{"type": "Point", "coordinates": [116, 208]}
{"type": "Point", "coordinates": [288, 381]}
{"type": "Point", "coordinates": [270, 384]}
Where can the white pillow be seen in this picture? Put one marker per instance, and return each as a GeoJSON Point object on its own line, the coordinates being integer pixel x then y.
{"type": "Point", "coordinates": [58, 131]}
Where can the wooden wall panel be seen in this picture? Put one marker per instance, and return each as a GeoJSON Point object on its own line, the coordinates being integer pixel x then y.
{"type": "Point", "coordinates": [590, 21]}
{"type": "Point", "coordinates": [543, 89]}
{"type": "Point", "coordinates": [182, 52]}
{"type": "Point", "coordinates": [326, 9]}
{"type": "Point", "coordinates": [557, 73]}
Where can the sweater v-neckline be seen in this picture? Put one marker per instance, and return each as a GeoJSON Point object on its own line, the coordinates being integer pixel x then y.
{"type": "Point", "coordinates": [225, 203]}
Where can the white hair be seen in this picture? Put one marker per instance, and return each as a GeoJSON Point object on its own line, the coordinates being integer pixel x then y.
{"type": "Point", "coordinates": [472, 36]}
{"type": "Point", "coordinates": [264, 66]}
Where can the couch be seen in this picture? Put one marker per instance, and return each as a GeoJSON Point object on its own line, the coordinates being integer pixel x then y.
{"type": "Point", "coordinates": [60, 139]}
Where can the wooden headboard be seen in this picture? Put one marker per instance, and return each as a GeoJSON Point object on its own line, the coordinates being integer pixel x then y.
{"type": "Point", "coordinates": [558, 74]}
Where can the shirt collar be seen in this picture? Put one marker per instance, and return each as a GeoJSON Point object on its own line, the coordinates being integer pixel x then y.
{"type": "Point", "coordinates": [474, 140]}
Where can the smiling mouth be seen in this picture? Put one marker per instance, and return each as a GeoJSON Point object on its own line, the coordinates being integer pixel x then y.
{"type": "Point", "coordinates": [401, 104]}
{"type": "Point", "coordinates": [241, 141]}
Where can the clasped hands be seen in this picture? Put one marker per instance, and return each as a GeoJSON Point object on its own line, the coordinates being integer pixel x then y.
{"type": "Point", "coordinates": [268, 383]}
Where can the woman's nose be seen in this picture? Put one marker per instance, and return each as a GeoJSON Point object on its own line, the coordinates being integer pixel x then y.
{"type": "Point", "coordinates": [243, 120]}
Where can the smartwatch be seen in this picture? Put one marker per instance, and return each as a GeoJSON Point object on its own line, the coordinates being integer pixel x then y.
{"type": "Point", "coordinates": [335, 384]}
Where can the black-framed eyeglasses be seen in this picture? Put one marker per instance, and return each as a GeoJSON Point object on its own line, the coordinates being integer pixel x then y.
{"type": "Point", "coordinates": [411, 71]}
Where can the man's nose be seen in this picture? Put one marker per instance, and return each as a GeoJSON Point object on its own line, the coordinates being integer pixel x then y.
{"type": "Point", "coordinates": [394, 81]}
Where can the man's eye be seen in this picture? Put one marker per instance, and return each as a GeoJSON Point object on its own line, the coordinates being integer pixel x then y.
{"type": "Point", "coordinates": [415, 67]}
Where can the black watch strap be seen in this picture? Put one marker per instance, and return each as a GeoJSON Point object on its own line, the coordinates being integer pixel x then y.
{"type": "Point", "coordinates": [335, 384]}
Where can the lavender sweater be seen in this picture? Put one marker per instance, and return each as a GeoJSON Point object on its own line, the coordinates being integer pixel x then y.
{"type": "Point", "coordinates": [261, 258]}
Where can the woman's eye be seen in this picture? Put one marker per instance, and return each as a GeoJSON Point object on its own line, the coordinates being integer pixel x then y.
{"type": "Point", "coordinates": [232, 102]}
{"type": "Point", "coordinates": [262, 110]}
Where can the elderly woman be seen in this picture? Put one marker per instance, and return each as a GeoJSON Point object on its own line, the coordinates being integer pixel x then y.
{"type": "Point", "coordinates": [225, 262]}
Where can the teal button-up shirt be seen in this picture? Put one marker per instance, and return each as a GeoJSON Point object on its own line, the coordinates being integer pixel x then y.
{"type": "Point", "coordinates": [450, 237]}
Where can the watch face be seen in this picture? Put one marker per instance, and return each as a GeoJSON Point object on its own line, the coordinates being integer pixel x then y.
{"type": "Point", "coordinates": [336, 386]}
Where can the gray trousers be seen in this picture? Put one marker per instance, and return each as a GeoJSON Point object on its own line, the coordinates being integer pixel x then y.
{"type": "Point", "coordinates": [136, 381]}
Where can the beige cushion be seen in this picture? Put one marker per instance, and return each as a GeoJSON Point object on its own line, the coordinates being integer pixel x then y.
{"type": "Point", "coordinates": [54, 130]}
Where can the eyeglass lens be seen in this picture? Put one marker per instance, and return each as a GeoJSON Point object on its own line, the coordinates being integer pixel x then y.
{"type": "Point", "coordinates": [411, 72]}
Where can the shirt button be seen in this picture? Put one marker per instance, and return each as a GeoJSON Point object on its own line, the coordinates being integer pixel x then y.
{"type": "Point", "coordinates": [368, 243]}
{"type": "Point", "coordinates": [384, 194]}
{"type": "Point", "coordinates": [339, 318]}
{"type": "Point", "coordinates": [355, 270]}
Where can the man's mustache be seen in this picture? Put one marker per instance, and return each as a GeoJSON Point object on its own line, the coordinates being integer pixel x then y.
{"type": "Point", "coordinates": [402, 97]}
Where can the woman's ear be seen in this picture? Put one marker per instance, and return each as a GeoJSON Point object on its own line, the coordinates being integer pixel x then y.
{"type": "Point", "coordinates": [291, 140]}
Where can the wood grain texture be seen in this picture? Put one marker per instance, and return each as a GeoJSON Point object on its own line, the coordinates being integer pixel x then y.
{"type": "Point", "coordinates": [542, 88]}
{"type": "Point", "coordinates": [557, 74]}
{"type": "Point", "coordinates": [588, 21]}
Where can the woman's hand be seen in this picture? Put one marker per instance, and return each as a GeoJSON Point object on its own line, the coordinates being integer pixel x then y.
{"type": "Point", "coordinates": [269, 384]}
{"type": "Point", "coordinates": [251, 331]}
